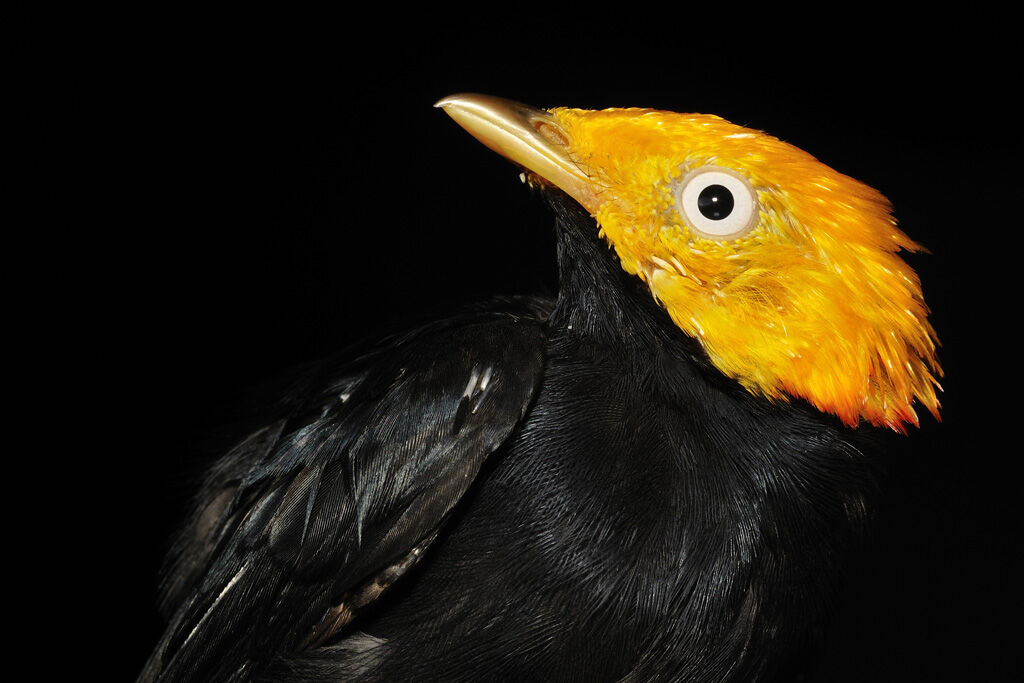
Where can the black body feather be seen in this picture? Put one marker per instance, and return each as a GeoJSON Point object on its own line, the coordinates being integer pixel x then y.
{"type": "Point", "coordinates": [639, 517]}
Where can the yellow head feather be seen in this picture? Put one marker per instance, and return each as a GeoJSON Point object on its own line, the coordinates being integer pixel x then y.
{"type": "Point", "coordinates": [813, 302]}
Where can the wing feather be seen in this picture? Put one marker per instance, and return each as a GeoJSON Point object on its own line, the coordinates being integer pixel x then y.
{"type": "Point", "coordinates": [294, 521]}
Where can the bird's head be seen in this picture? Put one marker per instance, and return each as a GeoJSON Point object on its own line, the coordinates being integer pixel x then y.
{"type": "Point", "coordinates": [785, 270]}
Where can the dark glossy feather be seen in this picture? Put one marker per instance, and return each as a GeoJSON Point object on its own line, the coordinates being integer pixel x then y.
{"type": "Point", "coordinates": [295, 518]}
{"type": "Point", "coordinates": [646, 520]}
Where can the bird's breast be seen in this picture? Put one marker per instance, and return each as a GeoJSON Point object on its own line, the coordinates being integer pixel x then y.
{"type": "Point", "coordinates": [627, 509]}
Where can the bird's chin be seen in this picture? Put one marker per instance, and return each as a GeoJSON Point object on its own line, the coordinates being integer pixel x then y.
{"type": "Point", "coordinates": [538, 182]}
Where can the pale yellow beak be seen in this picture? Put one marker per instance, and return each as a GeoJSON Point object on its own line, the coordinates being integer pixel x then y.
{"type": "Point", "coordinates": [525, 135]}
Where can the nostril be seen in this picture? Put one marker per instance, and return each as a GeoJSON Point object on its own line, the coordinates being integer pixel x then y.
{"type": "Point", "coordinates": [550, 132]}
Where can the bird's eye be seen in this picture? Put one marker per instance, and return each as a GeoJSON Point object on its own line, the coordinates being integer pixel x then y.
{"type": "Point", "coordinates": [717, 202]}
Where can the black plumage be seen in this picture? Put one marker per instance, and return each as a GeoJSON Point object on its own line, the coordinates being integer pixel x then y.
{"type": "Point", "coordinates": [532, 490]}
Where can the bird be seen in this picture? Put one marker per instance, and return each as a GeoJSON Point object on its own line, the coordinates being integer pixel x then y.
{"type": "Point", "coordinates": [657, 474]}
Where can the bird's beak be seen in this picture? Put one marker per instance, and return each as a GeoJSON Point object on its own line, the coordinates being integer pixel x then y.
{"type": "Point", "coordinates": [525, 135]}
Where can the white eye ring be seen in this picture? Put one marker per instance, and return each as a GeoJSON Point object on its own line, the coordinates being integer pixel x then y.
{"type": "Point", "coordinates": [717, 203]}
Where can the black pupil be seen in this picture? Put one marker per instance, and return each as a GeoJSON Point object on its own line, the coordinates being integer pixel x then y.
{"type": "Point", "coordinates": [715, 202]}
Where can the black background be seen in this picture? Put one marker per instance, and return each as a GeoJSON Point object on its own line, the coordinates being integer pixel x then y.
{"type": "Point", "coordinates": [214, 199]}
